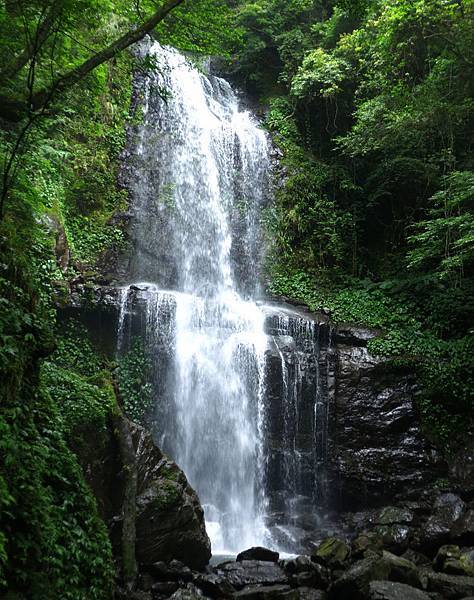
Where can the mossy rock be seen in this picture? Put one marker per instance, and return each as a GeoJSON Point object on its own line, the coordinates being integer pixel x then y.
{"type": "Point", "coordinates": [332, 552]}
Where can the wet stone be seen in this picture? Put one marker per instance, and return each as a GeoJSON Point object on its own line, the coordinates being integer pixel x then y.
{"type": "Point", "coordinates": [252, 572]}
{"type": "Point", "coordinates": [258, 553]}
{"type": "Point", "coordinates": [214, 585]}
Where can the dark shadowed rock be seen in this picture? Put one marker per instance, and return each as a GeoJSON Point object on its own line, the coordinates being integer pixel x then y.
{"type": "Point", "coordinates": [251, 572]}
{"type": "Point", "coordinates": [258, 553]}
{"type": "Point", "coordinates": [354, 583]}
{"type": "Point", "coordinates": [402, 570]}
{"type": "Point", "coordinates": [450, 587]}
{"type": "Point", "coordinates": [389, 590]}
{"type": "Point", "coordinates": [417, 558]}
{"type": "Point", "coordinates": [306, 573]}
{"type": "Point", "coordinates": [273, 592]}
{"type": "Point", "coordinates": [172, 571]}
{"type": "Point", "coordinates": [165, 588]}
{"type": "Point", "coordinates": [462, 531]}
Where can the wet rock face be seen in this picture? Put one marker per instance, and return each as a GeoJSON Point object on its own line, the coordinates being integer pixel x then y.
{"type": "Point", "coordinates": [378, 450]}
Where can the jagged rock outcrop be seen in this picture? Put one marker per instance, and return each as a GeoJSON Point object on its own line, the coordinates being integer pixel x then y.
{"type": "Point", "coordinates": [169, 518]}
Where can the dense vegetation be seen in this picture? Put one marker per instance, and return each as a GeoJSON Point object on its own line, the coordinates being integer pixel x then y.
{"type": "Point", "coordinates": [371, 105]}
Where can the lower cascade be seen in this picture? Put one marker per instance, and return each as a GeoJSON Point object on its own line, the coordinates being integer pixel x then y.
{"type": "Point", "coordinates": [235, 402]}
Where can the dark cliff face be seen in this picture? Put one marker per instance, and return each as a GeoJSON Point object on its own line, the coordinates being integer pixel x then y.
{"type": "Point", "coordinates": [378, 449]}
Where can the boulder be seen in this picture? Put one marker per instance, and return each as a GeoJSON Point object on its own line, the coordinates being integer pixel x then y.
{"type": "Point", "coordinates": [354, 583]}
{"type": "Point", "coordinates": [367, 542]}
{"type": "Point", "coordinates": [452, 560]}
{"type": "Point", "coordinates": [448, 508]}
{"type": "Point", "coordinates": [332, 552]}
{"type": "Point", "coordinates": [258, 553]}
{"type": "Point", "coordinates": [391, 515]}
{"type": "Point", "coordinates": [172, 571]}
{"type": "Point", "coordinates": [306, 573]}
{"type": "Point", "coordinates": [395, 537]}
{"type": "Point", "coordinates": [389, 590]}
{"type": "Point", "coordinates": [402, 570]}
{"type": "Point", "coordinates": [213, 585]}
{"type": "Point", "coordinates": [417, 558]}
{"type": "Point", "coordinates": [450, 587]}
{"type": "Point", "coordinates": [251, 572]}
{"type": "Point", "coordinates": [169, 517]}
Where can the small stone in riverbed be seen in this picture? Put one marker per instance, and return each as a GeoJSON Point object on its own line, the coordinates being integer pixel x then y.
{"type": "Point", "coordinates": [258, 553]}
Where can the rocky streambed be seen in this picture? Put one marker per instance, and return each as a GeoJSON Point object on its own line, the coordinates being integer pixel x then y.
{"type": "Point", "coordinates": [337, 569]}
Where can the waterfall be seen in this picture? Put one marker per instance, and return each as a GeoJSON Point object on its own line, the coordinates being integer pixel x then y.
{"type": "Point", "coordinates": [198, 175]}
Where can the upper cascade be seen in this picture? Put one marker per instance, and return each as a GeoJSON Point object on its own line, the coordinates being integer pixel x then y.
{"type": "Point", "coordinates": [200, 176]}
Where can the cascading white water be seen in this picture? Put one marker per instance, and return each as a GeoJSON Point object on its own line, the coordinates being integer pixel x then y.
{"type": "Point", "coordinates": [236, 384]}
{"type": "Point", "coordinates": [199, 176]}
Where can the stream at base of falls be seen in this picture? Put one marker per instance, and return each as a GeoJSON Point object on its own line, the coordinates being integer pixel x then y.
{"type": "Point", "coordinates": [235, 398]}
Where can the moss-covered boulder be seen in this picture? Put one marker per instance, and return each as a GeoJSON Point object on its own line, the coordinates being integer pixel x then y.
{"type": "Point", "coordinates": [331, 552]}
{"type": "Point", "coordinates": [452, 560]}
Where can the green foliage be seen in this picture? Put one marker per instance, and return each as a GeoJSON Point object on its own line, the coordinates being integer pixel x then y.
{"type": "Point", "coordinates": [134, 380]}
{"type": "Point", "coordinates": [56, 545]}
{"type": "Point", "coordinates": [307, 223]}
{"type": "Point", "coordinates": [52, 542]}
{"type": "Point", "coordinates": [445, 241]}
{"type": "Point", "coordinates": [320, 74]}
